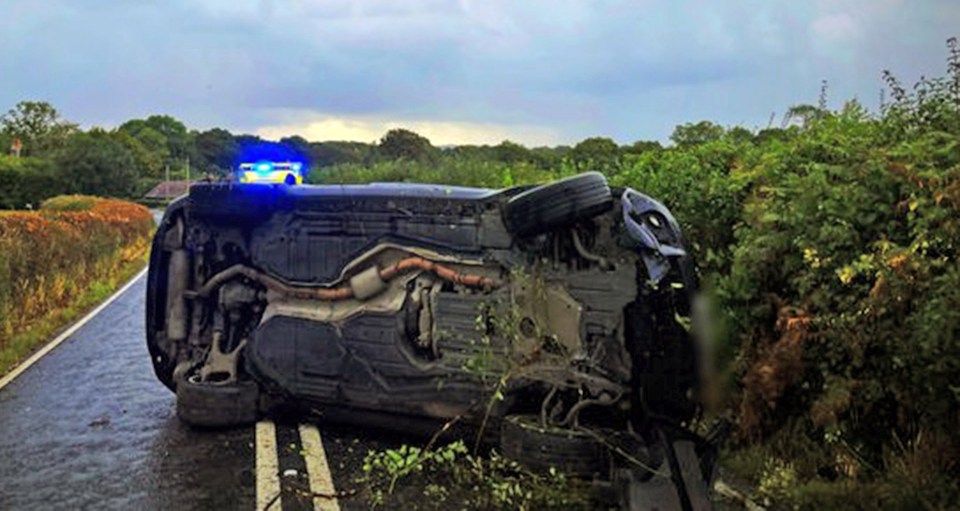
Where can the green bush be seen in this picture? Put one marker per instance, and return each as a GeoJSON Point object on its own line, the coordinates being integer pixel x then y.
{"type": "Point", "coordinates": [842, 292]}
{"type": "Point", "coordinates": [852, 236]}
{"type": "Point", "coordinates": [98, 162]}
{"type": "Point", "coordinates": [25, 182]}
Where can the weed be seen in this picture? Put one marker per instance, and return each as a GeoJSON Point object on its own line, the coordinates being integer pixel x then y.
{"type": "Point", "coordinates": [477, 482]}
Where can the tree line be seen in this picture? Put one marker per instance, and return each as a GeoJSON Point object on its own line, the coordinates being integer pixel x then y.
{"type": "Point", "coordinates": [57, 157]}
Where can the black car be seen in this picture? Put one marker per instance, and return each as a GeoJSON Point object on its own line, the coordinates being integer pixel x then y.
{"type": "Point", "coordinates": [545, 313]}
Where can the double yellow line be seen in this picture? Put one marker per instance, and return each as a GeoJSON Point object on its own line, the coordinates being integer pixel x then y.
{"type": "Point", "coordinates": [269, 491]}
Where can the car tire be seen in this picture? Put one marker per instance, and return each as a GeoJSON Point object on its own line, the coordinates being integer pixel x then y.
{"type": "Point", "coordinates": [206, 405]}
{"type": "Point", "coordinates": [558, 204]}
{"type": "Point", "coordinates": [571, 452]}
{"type": "Point", "coordinates": [290, 180]}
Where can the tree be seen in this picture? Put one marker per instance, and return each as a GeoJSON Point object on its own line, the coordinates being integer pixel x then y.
{"type": "Point", "coordinates": [548, 157]}
{"type": "Point", "coordinates": [512, 152]}
{"type": "Point", "coordinates": [6, 140]}
{"type": "Point", "coordinates": [27, 181]}
{"type": "Point", "coordinates": [325, 154]}
{"type": "Point", "coordinates": [691, 134]}
{"type": "Point", "coordinates": [245, 140]}
{"type": "Point", "coordinates": [133, 126]}
{"type": "Point", "coordinates": [475, 152]}
{"type": "Point", "coordinates": [149, 150]}
{"type": "Point", "coordinates": [98, 163]}
{"type": "Point", "coordinates": [217, 151]}
{"type": "Point", "coordinates": [739, 134]}
{"type": "Point", "coordinates": [158, 154]}
{"type": "Point", "coordinates": [775, 134]}
{"type": "Point", "coordinates": [400, 143]}
{"type": "Point", "coordinates": [600, 151]}
{"type": "Point", "coordinates": [177, 139]}
{"type": "Point", "coordinates": [642, 146]}
{"type": "Point", "coordinates": [38, 125]}
{"type": "Point", "coordinates": [299, 146]}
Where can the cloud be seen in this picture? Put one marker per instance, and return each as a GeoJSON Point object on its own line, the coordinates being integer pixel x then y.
{"type": "Point", "coordinates": [557, 70]}
{"type": "Point", "coordinates": [838, 27]}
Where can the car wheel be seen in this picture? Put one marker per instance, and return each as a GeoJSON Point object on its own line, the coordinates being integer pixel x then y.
{"type": "Point", "coordinates": [290, 180]}
{"type": "Point", "coordinates": [209, 405]}
{"type": "Point", "coordinates": [558, 204]}
{"type": "Point", "coordinates": [572, 452]}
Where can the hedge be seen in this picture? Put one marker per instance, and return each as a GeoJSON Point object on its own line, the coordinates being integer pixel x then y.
{"type": "Point", "coordinates": [50, 257]}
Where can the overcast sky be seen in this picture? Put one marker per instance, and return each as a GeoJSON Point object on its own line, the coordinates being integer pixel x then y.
{"type": "Point", "coordinates": [460, 71]}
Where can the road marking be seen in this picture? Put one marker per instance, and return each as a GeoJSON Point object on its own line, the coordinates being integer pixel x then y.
{"type": "Point", "coordinates": [321, 482]}
{"type": "Point", "coordinates": [17, 371]}
{"type": "Point", "coordinates": [268, 467]}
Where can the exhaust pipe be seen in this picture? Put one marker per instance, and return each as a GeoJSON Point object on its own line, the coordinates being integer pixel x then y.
{"type": "Point", "coordinates": [176, 303]}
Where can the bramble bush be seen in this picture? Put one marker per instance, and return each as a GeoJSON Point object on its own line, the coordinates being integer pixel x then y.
{"type": "Point", "coordinates": [832, 248]}
{"type": "Point", "coordinates": [49, 257]}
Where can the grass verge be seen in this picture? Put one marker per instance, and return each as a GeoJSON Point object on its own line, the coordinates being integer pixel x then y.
{"type": "Point", "coordinates": [23, 344]}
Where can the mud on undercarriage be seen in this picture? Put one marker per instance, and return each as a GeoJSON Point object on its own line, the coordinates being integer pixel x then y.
{"type": "Point", "coordinates": [554, 314]}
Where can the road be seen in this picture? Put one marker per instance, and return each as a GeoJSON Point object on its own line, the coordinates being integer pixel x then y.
{"type": "Point", "coordinates": [88, 426]}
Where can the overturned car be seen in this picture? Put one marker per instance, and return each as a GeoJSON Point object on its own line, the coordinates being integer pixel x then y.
{"type": "Point", "coordinates": [545, 313]}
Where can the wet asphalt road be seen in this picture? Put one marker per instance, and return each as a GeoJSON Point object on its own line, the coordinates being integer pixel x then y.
{"type": "Point", "coordinates": [90, 427]}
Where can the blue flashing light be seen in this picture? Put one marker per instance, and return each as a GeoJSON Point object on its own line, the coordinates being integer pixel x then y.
{"type": "Point", "coordinates": [264, 167]}
{"type": "Point", "coordinates": [296, 167]}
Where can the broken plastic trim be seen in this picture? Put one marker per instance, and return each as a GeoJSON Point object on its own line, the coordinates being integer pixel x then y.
{"type": "Point", "coordinates": [644, 219]}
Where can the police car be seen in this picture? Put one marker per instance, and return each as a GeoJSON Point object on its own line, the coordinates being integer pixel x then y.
{"type": "Point", "coordinates": [287, 172]}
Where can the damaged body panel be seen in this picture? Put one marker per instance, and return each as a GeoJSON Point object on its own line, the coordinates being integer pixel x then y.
{"type": "Point", "coordinates": [422, 301]}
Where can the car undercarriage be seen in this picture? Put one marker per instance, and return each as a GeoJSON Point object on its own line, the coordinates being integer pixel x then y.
{"type": "Point", "coordinates": [551, 312]}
